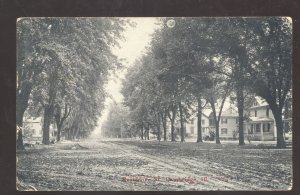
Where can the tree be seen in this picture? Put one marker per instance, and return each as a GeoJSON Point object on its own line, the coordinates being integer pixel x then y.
{"type": "Point", "coordinates": [135, 91]}
{"type": "Point", "coordinates": [184, 50]}
{"type": "Point", "coordinates": [60, 117]}
{"type": "Point", "coordinates": [29, 65]}
{"type": "Point", "coordinates": [220, 90]}
{"type": "Point", "coordinates": [147, 95]}
{"type": "Point", "coordinates": [242, 51]}
{"type": "Point", "coordinates": [92, 59]}
{"type": "Point", "coordinates": [271, 69]}
{"type": "Point", "coordinates": [216, 97]}
{"type": "Point", "coordinates": [118, 122]}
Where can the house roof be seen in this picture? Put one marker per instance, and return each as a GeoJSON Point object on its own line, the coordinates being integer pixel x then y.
{"type": "Point", "coordinates": [206, 112]}
{"type": "Point", "coordinates": [260, 103]}
{"type": "Point", "coordinates": [260, 119]}
{"type": "Point", "coordinates": [227, 113]}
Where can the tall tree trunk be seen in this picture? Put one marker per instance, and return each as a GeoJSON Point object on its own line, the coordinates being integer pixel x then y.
{"type": "Point", "coordinates": [74, 130]}
{"type": "Point", "coordinates": [19, 120]}
{"type": "Point", "coordinates": [158, 127]}
{"type": "Point", "coordinates": [181, 121]}
{"type": "Point", "coordinates": [240, 104]}
{"type": "Point", "coordinates": [77, 133]}
{"type": "Point", "coordinates": [148, 130]}
{"type": "Point", "coordinates": [286, 112]}
{"type": "Point", "coordinates": [68, 137]}
{"type": "Point", "coordinates": [279, 126]}
{"type": "Point", "coordinates": [212, 103]}
{"type": "Point", "coordinates": [21, 106]}
{"type": "Point", "coordinates": [217, 134]}
{"type": "Point", "coordinates": [72, 134]}
{"type": "Point", "coordinates": [49, 108]}
{"type": "Point", "coordinates": [217, 118]}
{"type": "Point", "coordinates": [58, 132]}
{"type": "Point", "coordinates": [142, 132]}
{"type": "Point", "coordinates": [59, 119]}
{"type": "Point", "coordinates": [172, 130]}
{"type": "Point", "coordinates": [48, 114]}
{"type": "Point", "coordinates": [199, 118]}
{"type": "Point", "coordinates": [20, 145]}
{"type": "Point", "coordinates": [172, 120]}
{"type": "Point", "coordinates": [164, 123]}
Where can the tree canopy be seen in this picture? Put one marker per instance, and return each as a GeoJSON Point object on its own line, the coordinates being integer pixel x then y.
{"type": "Point", "coordinates": [191, 59]}
{"type": "Point", "coordinates": [63, 64]}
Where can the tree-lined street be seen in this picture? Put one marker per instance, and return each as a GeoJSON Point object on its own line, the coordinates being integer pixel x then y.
{"type": "Point", "coordinates": [153, 131]}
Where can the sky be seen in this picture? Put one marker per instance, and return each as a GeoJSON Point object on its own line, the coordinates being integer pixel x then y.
{"type": "Point", "coordinates": [136, 39]}
{"type": "Point", "coordinates": [133, 46]}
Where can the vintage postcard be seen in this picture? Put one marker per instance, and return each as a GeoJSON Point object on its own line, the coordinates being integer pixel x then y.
{"type": "Point", "coordinates": [154, 104]}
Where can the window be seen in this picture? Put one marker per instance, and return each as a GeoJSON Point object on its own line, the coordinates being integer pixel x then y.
{"type": "Point", "coordinates": [192, 130]}
{"type": "Point", "coordinates": [266, 127]}
{"type": "Point", "coordinates": [237, 120]}
{"type": "Point", "coordinates": [224, 120]}
{"type": "Point", "coordinates": [267, 112]}
{"type": "Point", "coordinates": [257, 127]}
{"type": "Point", "coordinates": [192, 121]}
{"type": "Point", "coordinates": [203, 122]}
{"type": "Point", "coordinates": [224, 131]}
{"type": "Point", "coordinates": [211, 122]}
{"type": "Point", "coordinates": [255, 114]}
{"type": "Point", "coordinates": [251, 129]}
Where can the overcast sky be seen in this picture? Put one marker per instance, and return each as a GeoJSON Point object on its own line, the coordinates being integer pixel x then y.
{"type": "Point", "coordinates": [136, 40]}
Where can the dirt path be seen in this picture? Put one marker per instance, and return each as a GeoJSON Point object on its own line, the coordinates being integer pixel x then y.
{"type": "Point", "coordinates": [190, 168]}
{"type": "Point", "coordinates": [136, 165]}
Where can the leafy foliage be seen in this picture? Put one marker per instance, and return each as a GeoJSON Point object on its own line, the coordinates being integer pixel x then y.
{"type": "Point", "coordinates": [67, 61]}
{"type": "Point", "coordinates": [210, 58]}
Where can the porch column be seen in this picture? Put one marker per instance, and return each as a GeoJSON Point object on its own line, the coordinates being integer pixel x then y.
{"type": "Point", "coordinates": [262, 132]}
{"type": "Point", "coordinates": [274, 129]}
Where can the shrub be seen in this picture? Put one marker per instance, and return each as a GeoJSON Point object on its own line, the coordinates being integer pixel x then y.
{"type": "Point", "coordinates": [212, 135]}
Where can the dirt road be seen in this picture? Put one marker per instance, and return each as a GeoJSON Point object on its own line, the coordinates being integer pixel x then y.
{"type": "Point", "coordinates": [150, 165]}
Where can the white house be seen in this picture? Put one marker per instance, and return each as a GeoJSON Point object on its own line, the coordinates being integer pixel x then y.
{"type": "Point", "coordinates": [191, 128]}
{"type": "Point", "coordinates": [32, 128]}
{"type": "Point", "coordinates": [228, 125]}
{"type": "Point", "coordinates": [261, 122]}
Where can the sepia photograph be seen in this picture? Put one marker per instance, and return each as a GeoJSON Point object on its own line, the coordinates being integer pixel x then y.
{"type": "Point", "coordinates": [154, 104]}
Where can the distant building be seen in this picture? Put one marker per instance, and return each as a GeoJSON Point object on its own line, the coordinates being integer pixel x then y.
{"type": "Point", "coordinates": [32, 128]}
{"type": "Point", "coordinates": [228, 125]}
{"type": "Point", "coordinates": [261, 122]}
{"type": "Point", "coordinates": [192, 126]}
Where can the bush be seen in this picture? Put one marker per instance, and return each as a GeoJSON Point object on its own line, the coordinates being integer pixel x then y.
{"type": "Point", "coordinates": [206, 138]}
{"type": "Point", "coordinates": [212, 135]}
{"type": "Point", "coordinates": [235, 134]}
